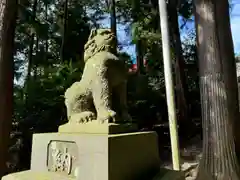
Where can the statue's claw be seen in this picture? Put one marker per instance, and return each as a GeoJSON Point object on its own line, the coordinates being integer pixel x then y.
{"type": "Point", "coordinates": [83, 117]}
{"type": "Point", "coordinates": [106, 116]}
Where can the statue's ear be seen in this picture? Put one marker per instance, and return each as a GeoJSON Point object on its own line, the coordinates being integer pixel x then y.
{"type": "Point", "coordinates": [103, 31]}
{"type": "Point", "coordinates": [92, 34]}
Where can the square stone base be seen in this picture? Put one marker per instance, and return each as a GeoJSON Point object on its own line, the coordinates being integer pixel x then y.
{"type": "Point", "coordinates": [32, 175]}
{"type": "Point", "coordinates": [97, 128]}
{"type": "Point", "coordinates": [130, 156]}
{"type": "Point", "coordinates": [163, 174]}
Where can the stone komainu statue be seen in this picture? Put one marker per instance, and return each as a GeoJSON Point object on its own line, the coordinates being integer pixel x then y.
{"type": "Point", "coordinates": [101, 93]}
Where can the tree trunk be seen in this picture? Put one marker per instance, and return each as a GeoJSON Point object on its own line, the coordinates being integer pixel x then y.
{"type": "Point", "coordinates": [64, 30]}
{"type": "Point", "coordinates": [229, 65]}
{"type": "Point", "coordinates": [113, 21]}
{"type": "Point", "coordinates": [35, 66]}
{"type": "Point", "coordinates": [46, 41]}
{"type": "Point", "coordinates": [138, 48]}
{"type": "Point", "coordinates": [8, 12]}
{"type": "Point", "coordinates": [30, 51]}
{"type": "Point", "coordinates": [219, 161]}
{"type": "Point", "coordinates": [181, 86]}
{"type": "Point", "coordinates": [139, 56]}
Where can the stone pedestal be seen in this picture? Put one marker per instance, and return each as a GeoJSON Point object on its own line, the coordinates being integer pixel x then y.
{"type": "Point", "coordinates": [130, 156]}
{"type": "Point", "coordinates": [36, 175]}
{"type": "Point", "coordinates": [95, 127]}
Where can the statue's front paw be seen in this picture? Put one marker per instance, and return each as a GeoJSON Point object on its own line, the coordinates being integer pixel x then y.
{"type": "Point", "coordinates": [106, 116]}
{"type": "Point", "coordinates": [83, 117]}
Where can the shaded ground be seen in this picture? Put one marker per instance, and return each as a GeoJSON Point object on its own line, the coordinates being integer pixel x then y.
{"type": "Point", "coordinates": [190, 156]}
{"type": "Point", "coordinates": [190, 151]}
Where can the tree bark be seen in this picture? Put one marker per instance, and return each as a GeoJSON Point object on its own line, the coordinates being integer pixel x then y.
{"type": "Point", "coordinates": [181, 86]}
{"type": "Point", "coordinates": [219, 161]}
{"type": "Point", "coordinates": [113, 21]}
{"type": "Point", "coordinates": [8, 12]}
{"type": "Point", "coordinates": [30, 51]}
{"type": "Point", "coordinates": [139, 57]}
{"type": "Point", "coordinates": [46, 41]}
{"type": "Point", "coordinates": [64, 30]}
{"type": "Point", "coordinates": [35, 66]}
{"type": "Point", "coordinates": [138, 47]}
{"type": "Point", "coordinates": [229, 65]}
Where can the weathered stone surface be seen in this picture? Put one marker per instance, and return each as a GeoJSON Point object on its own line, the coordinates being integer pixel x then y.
{"type": "Point", "coordinates": [62, 157]}
{"type": "Point", "coordinates": [98, 128]}
{"type": "Point", "coordinates": [163, 174]}
{"type": "Point", "coordinates": [101, 93]}
{"type": "Point", "coordinates": [33, 175]}
{"type": "Point", "coordinates": [97, 156]}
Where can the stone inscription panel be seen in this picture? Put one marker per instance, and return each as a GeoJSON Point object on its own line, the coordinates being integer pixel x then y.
{"type": "Point", "coordinates": [62, 157]}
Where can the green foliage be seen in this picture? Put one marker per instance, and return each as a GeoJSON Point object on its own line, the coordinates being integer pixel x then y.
{"type": "Point", "coordinates": [186, 8]}
{"type": "Point", "coordinates": [44, 109]}
{"type": "Point", "coordinates": [38, 98]}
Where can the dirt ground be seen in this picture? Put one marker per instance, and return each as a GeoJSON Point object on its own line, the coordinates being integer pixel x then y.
{"type": "Point", "coordinates": [190, 156]}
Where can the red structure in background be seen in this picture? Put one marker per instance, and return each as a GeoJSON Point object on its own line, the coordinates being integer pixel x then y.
{"type": "Point", "coordinates": [134, 67]}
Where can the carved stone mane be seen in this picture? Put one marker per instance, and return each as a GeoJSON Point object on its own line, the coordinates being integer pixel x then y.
{"type": "Point", "coordinates": [99, 40]}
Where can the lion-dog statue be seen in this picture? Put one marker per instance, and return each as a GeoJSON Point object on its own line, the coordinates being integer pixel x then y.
{"type": "Point", "coordinates": [101, 93]}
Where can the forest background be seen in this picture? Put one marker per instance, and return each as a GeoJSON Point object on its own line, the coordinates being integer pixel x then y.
{"type": "Point", "coordinates": [50, 36]}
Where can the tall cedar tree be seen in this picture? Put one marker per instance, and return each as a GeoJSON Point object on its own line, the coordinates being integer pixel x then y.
{"type": "Point", "coordinates": [229, 66]}
{"type": "Point", "coordinates": [65, 22]}
{"type": "Point", "coordinates": [30, 51]}
{"type": "Point", "coordinates": [219, 161]}
{"type": "Point", "coordinates": [181, 86]}
{"type": "Point", "coordinates": [8, 12]}
{"type": "Point", "coordinates": [113, 22]}
{"type": "Point", "coordinates": [139, 47]}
